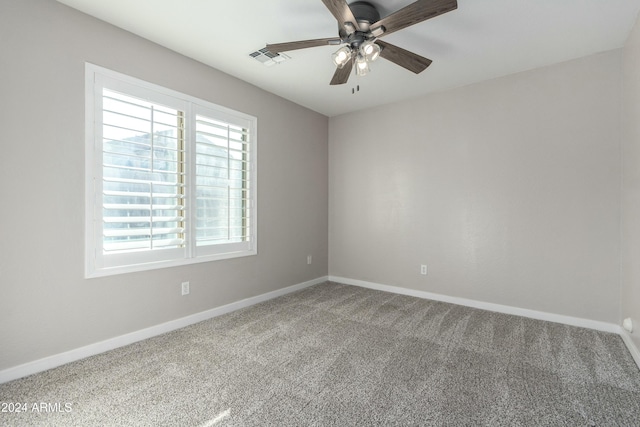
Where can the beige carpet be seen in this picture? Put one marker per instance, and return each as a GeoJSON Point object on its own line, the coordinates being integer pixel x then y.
{"type": "Point", "coordinates": [342, 355]}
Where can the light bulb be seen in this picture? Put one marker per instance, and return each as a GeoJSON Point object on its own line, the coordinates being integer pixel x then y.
{"type": "Point", "coordinates": [362, 67]}
{"type": "Point", "coordinates": [342, 56]}
{"type": "Point", "coordinates": [370, 50]}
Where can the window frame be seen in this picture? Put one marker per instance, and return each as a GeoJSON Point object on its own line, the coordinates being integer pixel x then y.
{"type": "Point", "coordinates": [97, 264]}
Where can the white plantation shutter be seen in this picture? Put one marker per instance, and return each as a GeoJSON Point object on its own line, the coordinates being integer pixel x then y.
{"type": "Point", "coordinates": [143, 175]}
{"type": "Point", "coordinates": [223, 183]}
{"type": "Point", "coordinates": [170, 178]}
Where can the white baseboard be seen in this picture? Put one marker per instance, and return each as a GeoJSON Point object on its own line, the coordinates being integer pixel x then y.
{"type": "Point", "coordinates": [122, 340]}
{"type": "Point", "coordinates": [631, 345]}
{"type": "Point", "coordinates": [533, 314]}
{"type": "Point", "coordinates": [499, 308]}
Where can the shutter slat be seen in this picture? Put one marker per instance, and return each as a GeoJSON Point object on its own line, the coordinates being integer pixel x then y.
{"type": "Point", "coordinates": [219, 228]}
{"type": "Point", "coordinates": [144, 219]}
{"type": "Point", "coordinates": [142, 181]}
{"type": "Point", "coordinates": [141, 194]}
{"type": "Point", "coordinates": [141, 232]}
{"type": "Point", "coordinates": [134, 207]}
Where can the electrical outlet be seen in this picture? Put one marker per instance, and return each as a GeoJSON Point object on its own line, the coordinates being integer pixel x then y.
{"type": "Point", "coordinates": [185, 288]}
{"type": "Point", "coordinates": [423, 269]}
{"type": "Point", "coordinates": [309, 258]}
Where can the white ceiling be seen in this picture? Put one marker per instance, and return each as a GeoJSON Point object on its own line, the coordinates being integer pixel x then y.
{"type": "Point", "coordinates": [478, 41]}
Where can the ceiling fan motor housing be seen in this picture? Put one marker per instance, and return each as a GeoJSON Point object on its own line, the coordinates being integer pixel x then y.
{"type": "Point", "coordinates": [366, 14]}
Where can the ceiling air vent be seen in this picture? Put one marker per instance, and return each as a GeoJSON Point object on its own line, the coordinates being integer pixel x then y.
{"type": "Point", "coordinates": [268, 58]}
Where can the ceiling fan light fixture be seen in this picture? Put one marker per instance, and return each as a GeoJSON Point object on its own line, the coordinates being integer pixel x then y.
{"type": "Point", "coordinates": [376, 53]}
{"type": "Point", "coordinates": [362, 66]}
{"type": "Point", "coordinates": [370, 51]}
{"type": "Point", "coordinates": [341, 56]}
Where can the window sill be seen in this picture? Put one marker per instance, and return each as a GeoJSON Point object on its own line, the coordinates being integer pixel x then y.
{"type": "Point", "coordinates": [92, 272]}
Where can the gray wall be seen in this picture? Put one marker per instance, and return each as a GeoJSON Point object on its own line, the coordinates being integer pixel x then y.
{"type": "Point", "coordinates": [509, 190]}
{"type": "Point", "coordinates": [631, 184]}
{"type": "Point", "coordinates": [46, 306]}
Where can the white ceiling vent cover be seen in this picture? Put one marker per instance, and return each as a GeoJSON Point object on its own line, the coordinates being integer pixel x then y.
{"type": "Point", "coordinates": [268, 58]}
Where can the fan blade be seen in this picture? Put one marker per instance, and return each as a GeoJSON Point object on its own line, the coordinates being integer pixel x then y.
{"type": "Point", "coordinates": [341, 75]}
{"type": "Point", "coordinates": [342, 12]}
{"type": "Point", "coordinates": [303, 44]}
{"type": "Point", "coordinates": [403, 58]}
{"type": "Point", "coordinates": [416, 12]}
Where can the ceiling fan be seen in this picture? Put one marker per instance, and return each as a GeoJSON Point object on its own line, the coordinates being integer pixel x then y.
{"type": "Point", "coordinates": [359, 30]}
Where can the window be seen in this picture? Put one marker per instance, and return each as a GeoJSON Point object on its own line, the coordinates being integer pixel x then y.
{"type": "Point", "coordinates": [170, 179]}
